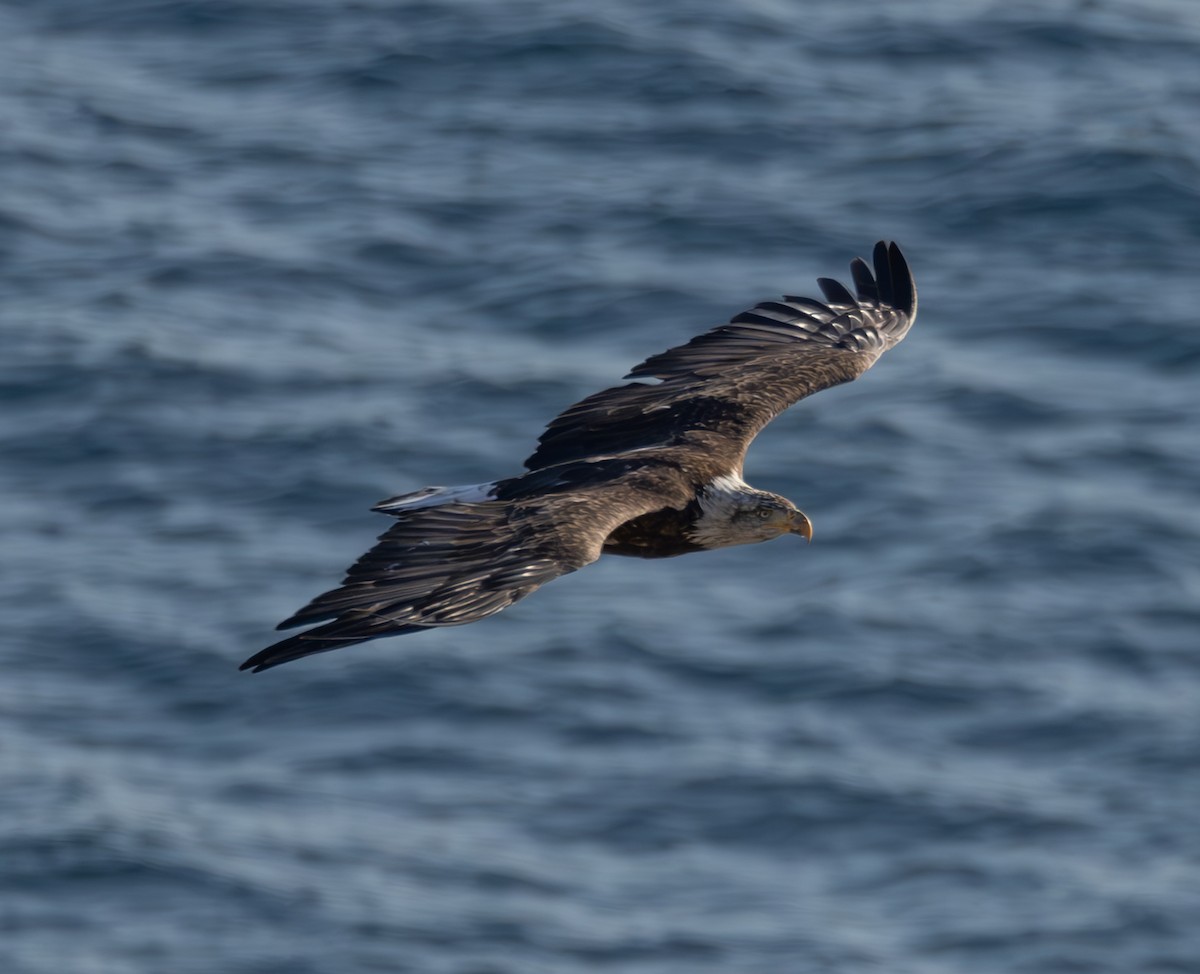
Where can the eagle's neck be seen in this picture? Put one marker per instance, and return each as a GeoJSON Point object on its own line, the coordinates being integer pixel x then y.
{"type": "Point", "coordinates": [720, 500]}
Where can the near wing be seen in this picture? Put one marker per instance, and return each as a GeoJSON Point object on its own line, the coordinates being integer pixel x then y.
{"type": "Point", "coordinates": [454, 563]}
{"type": "Point", "coordinates": [736, 378]}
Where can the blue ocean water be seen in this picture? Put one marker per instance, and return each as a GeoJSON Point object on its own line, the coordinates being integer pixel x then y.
{"type": "Point", "coordinates": [265, 262]}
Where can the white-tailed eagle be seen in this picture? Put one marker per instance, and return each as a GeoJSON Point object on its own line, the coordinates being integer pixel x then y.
{"type": "Point", "coordinates": [649, 469]}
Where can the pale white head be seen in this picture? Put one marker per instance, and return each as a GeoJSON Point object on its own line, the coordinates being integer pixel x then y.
{"type": "Point", "coordinates": [733, 512]}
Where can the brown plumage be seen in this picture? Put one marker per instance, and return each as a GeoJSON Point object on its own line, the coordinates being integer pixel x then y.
{"type": "Point", "coordinates": [648, 470]}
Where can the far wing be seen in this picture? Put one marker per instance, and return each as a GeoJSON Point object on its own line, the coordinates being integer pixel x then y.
{"type": "Point", "coordinates": [736, 378]}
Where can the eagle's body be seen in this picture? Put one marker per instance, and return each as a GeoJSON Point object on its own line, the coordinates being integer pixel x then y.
{"type": "Point", "coordinates": [646, 470]}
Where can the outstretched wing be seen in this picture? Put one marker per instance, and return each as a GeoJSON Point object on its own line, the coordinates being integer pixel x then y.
{"type": "Point", "coordinates": [734, 379]}
{"type": "Point", "coordinates": [450, 563]}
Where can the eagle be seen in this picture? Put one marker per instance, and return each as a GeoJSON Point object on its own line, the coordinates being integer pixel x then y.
{"type": "Point", "coordinates": [649, 469]}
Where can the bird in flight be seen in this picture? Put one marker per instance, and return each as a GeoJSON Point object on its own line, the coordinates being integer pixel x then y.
{"type": "Point", "coordinates": [650, 469]}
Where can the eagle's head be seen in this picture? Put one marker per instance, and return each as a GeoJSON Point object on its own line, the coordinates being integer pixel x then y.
{"type": "Point", "coordinates": [732, 512]}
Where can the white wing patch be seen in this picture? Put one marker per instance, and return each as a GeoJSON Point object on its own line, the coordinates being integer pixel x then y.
{"type": "Point", "coordinates": [436, 497]}
{"type": "Point", "coordinates": [725, 484]}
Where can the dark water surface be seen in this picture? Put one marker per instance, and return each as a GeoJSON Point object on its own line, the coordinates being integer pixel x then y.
{"type": "Point", "coordinates": [266, 262]}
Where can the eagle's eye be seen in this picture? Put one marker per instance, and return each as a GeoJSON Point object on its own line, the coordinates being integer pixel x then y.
{"type": "Point", "coordinates": [763, 513]}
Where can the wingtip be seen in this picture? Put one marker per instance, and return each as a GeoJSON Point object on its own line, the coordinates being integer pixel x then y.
{"type": "Point", "coordinates": [274, 655]}
{"type": "Point", "coordinates": [893, 278]}
{"type": "Point", "coordinates": [271, 657]}
{"type": "Point", "coordinates": [881, 251]}
{"type": "Point", "coordinates": [334, 635]}
{"type": "Point", "coordinates": [904, 287]}
{"type": "Point", "coordinates": [284, 651]}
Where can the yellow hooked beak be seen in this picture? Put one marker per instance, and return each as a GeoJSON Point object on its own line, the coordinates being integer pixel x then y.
{"type": "Point", "coordinates": [802, 526]}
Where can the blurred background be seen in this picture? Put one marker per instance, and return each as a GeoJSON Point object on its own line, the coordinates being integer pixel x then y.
{"type": "Point", "coordinates": [265, 262]}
